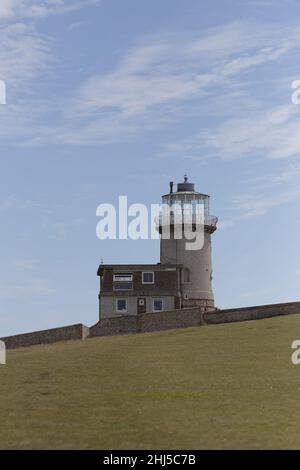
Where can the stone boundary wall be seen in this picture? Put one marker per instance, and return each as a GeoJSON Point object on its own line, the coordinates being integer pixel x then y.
{"type": "Point", "coordinates": [65, 333]}
{"type": "Point", "coordinates": [174, 319]}
{"type": "Point", "coordinates": [251, 313]}
{"type": "Point", "coordinates": [149, 322]}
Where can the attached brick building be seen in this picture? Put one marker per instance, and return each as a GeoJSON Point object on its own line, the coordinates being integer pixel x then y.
{"type": "Point", "coordinates": [134, 289]}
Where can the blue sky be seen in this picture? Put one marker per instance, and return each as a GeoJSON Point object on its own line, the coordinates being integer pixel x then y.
{"type": "Point", "coordinates": [117, 97]}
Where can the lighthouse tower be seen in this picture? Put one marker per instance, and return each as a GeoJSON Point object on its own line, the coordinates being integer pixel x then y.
{"type": "Point", "coordinates": [176, 247]}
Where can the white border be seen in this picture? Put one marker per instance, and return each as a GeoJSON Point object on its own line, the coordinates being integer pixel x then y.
{"type": "Point", "coordinates": [148, 272]}
{"type": "Point", "coordinates": [162, 302]}
{"type": "Point", "coordinates": [116, 306]}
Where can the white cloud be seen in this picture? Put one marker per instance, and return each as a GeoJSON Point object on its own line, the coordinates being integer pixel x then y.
{"type": "Point", "coordinates": [17, 9]}
{"type": "Point", "coordinates": [266, 192]}
{"type": "Point", "coordinates": [8, 204]}
{"type": "Point", "coordinates": [25, 52]}
{"type": "Point", "coordinates": [287, 175]}
{"type": "Point", "coordinates": [27, 288]}
{"type": "Point", "coordinates": [166, 70]}
{"type": "Point", "coordinates": [25, 264]}
{"type": "Point", "coordinates": [24, 55]}
{"type": "Point", "coordinates": [272, 134]}
{"type": "Point", "coordinates": [11, 203]}
{"type": "Point", "coordinates": [7, 8]}
{"type": "Point", "coordinates": [162, 79]}
{"type": "Point", "coordinates": [258, 204]}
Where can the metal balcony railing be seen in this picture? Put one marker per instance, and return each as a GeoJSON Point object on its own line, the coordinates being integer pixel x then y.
{"type": "Point", "coordinates": [209, 220]}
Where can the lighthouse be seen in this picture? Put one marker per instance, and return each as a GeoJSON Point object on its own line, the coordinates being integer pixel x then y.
{"type": "Point", "coordinates": [189, 213]}
{"type": "Point", "coordinates": [182, 278]}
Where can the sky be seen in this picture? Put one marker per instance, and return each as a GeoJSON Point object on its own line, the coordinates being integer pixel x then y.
{"type": "Point", "coordinates": [118, 97]}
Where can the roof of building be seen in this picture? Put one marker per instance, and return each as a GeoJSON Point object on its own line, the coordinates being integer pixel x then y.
{"type": "Point", "coordinates": [138, 267]}
{"type": "Point", "coordinates": [184, 188]}
{"type": "Point", "coordinates": [180, 193]}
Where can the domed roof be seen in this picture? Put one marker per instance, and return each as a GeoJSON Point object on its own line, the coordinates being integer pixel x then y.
{"type": "Point", "coordinates": [185, 186]}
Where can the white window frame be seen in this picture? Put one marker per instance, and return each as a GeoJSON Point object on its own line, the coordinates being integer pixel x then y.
{"type": "Point", "coordinates": [122, 285]}
{"type": "Point", "coordinates": [147, 272]}
{"type": "Point", "coordinates": [162, 304]}
{"type": "Point", "coordinates": [126, 301]}
{"type": "Point", "coordinates": [120, 277]}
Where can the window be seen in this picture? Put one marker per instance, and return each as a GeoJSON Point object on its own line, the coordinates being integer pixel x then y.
{"type": "Point", "coordinates": [123, 281]}
{"type": "Point", "coordinates": [121, 305]}
{"type": "Point", "coordinates": [157, 305]}
{"type": "Point", "coordinates": [122, 285]}
{"type": "Point", "coordinates": [123, 277]}
{"type": "Point", "coordinates": [148, 278]}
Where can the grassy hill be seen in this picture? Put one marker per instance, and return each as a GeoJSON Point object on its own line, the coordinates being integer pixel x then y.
{"type": "Point", "coordinates": [222, 386]}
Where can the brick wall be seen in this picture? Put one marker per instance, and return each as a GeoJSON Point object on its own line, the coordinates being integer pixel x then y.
{"type": "Point", "coordinates": [64, 333]}
{"type": "Point", "coordinates": [166, 281]}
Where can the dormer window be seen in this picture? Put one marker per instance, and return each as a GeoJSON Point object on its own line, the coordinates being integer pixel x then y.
{"type": "Point", "coordinates": [123, 277]}
{"type": "Point", "coordinates": [123, 281]}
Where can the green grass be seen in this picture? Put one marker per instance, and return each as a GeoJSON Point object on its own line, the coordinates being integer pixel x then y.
{"type": "Point", "coordinates": [219, 386]}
